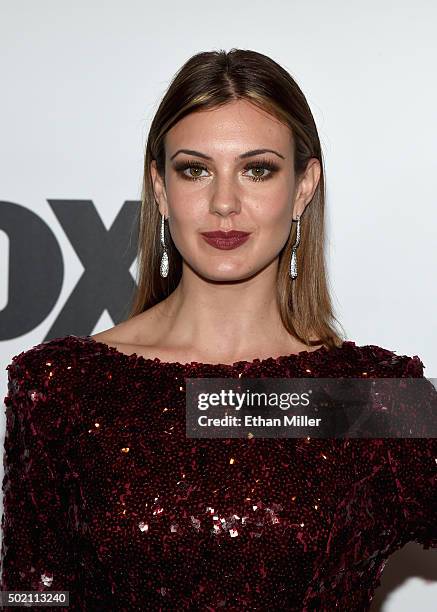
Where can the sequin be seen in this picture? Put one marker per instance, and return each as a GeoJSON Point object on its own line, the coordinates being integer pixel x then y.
{"type": "Point", "coordinates": [106, 497]}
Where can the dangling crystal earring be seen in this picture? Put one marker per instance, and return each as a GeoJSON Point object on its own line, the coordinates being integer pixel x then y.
{"type": "Point", "coordinates": [163, 269]}
{"type": "Point", "coordinates": [293, 260]}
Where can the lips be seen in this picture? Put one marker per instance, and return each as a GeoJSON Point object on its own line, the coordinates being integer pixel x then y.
{"type": "Point", "coordinates": [220, 234]}
{"type": "Point", "coordinates": [225, 240]}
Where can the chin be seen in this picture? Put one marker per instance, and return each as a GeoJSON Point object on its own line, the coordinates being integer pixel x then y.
{"type": "Point", "coordinates": [230, 274]}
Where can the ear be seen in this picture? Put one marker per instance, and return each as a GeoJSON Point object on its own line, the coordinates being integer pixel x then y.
{"type": "Point", "coordinates": [159, 190]}
{"type": "Point", "coordinates": [307, 186]}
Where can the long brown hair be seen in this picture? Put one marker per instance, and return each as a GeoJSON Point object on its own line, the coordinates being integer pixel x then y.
{"type": "Point", "coordinates": [209, 80]}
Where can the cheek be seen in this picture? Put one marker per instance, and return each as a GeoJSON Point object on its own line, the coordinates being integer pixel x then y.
{"type": "Point", "coordinates": [185, 222]}
{"type": "Point", "coordinates": [273, 215]}
{"type": "Point", "coordinates": [273, 220]}
{"type": "Point", "coordinates": [272, 202]}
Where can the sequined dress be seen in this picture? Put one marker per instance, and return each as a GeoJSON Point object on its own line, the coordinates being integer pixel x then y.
{"type": "Point", "coordinates": [106, 497]}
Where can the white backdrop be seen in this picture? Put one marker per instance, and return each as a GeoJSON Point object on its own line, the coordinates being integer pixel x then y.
{"type": "Point", "coordinates": [81, 82]}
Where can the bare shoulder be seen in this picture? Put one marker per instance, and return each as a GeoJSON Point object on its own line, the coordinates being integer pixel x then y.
{"type": "Point", "coordinates": [140, 334]}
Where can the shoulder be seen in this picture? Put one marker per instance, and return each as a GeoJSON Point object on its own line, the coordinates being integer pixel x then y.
{"type": "Point", "coordinates": [44, 381]}
{"type": "Point", "coordinates": [381, 361]}
{"type": "Point", "coordinates": [45, 357]}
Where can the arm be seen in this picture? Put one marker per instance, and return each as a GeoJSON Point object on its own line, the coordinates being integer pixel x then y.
{"type": "Point", "coordinates": [413, 464]}
{"type": "Point", "coordinates": [37, 548]}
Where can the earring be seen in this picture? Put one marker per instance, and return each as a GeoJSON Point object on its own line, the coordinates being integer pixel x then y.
{"type": "Point", "coordinates": [163, 269]}
{"type": "Point", "coordinates": [293, 260]}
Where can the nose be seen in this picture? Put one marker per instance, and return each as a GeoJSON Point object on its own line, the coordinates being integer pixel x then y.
{"type": "Point", "coordinates": [225, 198]}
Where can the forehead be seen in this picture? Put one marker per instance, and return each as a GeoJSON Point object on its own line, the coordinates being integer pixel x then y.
{"type": "Point", "coordinates": [233, 128]}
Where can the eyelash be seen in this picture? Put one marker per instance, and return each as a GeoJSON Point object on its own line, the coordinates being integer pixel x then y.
{"type": "Point", "coordinates": [261, 163]}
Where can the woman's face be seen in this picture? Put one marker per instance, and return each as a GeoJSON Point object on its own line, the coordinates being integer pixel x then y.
{"type": "Point", "coordinates": [216, 178]}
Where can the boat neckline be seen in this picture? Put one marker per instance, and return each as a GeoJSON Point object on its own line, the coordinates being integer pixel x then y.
{"type": "Point", "coordinates": [200, 364]}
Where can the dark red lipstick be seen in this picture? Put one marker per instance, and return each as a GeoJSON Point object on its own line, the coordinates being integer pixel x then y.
{"type": "Point", "coordinates": [225, 240]}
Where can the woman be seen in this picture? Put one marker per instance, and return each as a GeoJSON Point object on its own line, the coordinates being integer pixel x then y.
{"type": "Point", "coordinates": [105, 496]}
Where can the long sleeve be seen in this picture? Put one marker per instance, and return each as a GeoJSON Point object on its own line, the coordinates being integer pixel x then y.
{"type": "Point", "coordinates": [413, 464]}
{"type": "Point", "coordinates": [37, 551]}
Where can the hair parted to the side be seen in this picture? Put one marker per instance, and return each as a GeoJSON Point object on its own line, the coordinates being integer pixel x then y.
{"type": "Point", "coordinates": [206, 81]}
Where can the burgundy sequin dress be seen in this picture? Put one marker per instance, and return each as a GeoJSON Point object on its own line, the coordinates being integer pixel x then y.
{"type": "Point", "coordinates": [106, 497]}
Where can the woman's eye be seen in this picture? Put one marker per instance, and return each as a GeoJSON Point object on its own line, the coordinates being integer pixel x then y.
{"type": "Point", "coordinates": [258, 176]}
{"type": "Point", "coordinates": [194, 172]}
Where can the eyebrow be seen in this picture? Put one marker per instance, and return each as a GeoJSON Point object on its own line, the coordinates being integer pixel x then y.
{"type": "Point", "coordinates": [242, 156]}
